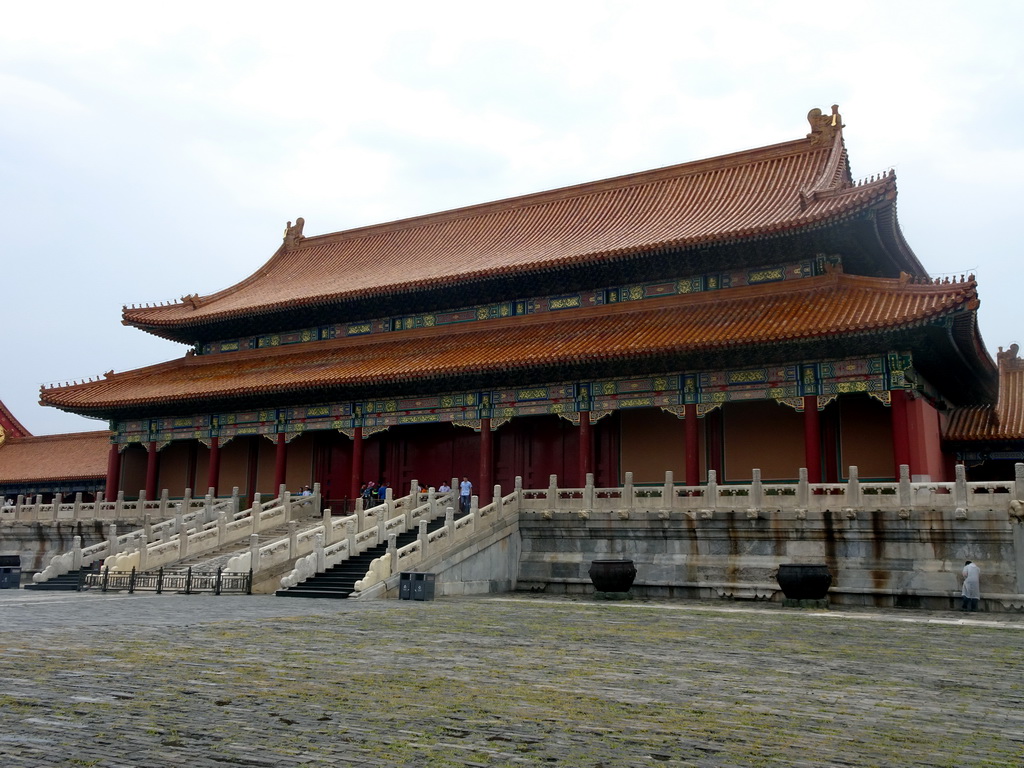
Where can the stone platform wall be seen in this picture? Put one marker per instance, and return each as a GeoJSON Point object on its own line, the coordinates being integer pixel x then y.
{"type": "Point", "coordinates": [875, 557]}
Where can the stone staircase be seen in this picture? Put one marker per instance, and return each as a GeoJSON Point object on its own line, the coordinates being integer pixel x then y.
{"type": "Point", "coordinates": [210, 561]}
{"type": "Point", "coordinates": [338, 582]}
{"type": "Point", "coordinates": [68, 582]}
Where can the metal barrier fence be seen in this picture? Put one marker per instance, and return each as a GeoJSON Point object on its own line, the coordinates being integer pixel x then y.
{"type": "Point", "coordinates": [187, 582]}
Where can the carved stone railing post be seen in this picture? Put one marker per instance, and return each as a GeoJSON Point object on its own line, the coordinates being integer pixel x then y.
{"type": "Point", "coordinates": [350, 534]}
{"type": "Point", "coordinates": [1018, 481]}
{"type": "Point", "coordinates": [76, 510]}
{"type": "Point", "coordinates": [382, 519]}
{"type": "Point", "coordinates": [553, 491]}
{"type": "Point", "coordinates": [756, 491]}
{"type": "Point", "coordinates": [316, 501]}
{"type": "Point", "coordinates": [76, 553]}
{"type": "Point", "coordinates": [328, 528]}
{"type": "Point", "coordinates": [186, 501]}
{"type": "Point", "coordinates": [712, 489]}
{"type": "Point", "coordinates": [179, 522]}
{"type": "Point", "coordinates": [449, 523]}
{"type": "Point", "coordinates": [144, 553]}
{"type": "Point", "coordinates": [321, 556]}
{"type": "Point", "coordinates": [423, 537]}
{"type": "Point", "coordinates": [905, 496]}
{"type": "Point", "coordinates": [118, 505]}
{"type": "Point", "coordinates": [222, 526]}
{"type": "Point", "coordinates": [389, 504]}
{"type": "Point", "coordinates": [165, 503]}
{"type": "Point", "coordinates": [254, 513]}
{"type": "Point", "coordinates": [960, 486]}
{"type": "Point", "coordinates": [236, 501]}
{"type": "Point", "coordinates": [498, 506]}
{"type": "Point", "coordinates": [588, 492]}
{"type": "Point", "coordinates": [628, 493]}
{"type": "Point", "coordinates": [293, 539]}
{"type": "Point", "coordinates": [58, 499]}
{"type": "Point", "coordinates": [182, 544]}
{"type": "Point", "coordinates": [254, 552]}
{"type": "Point", "coordinates": [803, 490]}
{"type": "Point", "coordinates": [668, 492]}
{"type": "Point", "coordinates": [393, 551]}
{"type": "Point", "coordinates": [209, 500]}
{"type": "Point", "coordinates": [286, 504]}
{"type": "Point", "coordinates": [853, 497]}
{"type": "Point", "coordinates": [112, 540]}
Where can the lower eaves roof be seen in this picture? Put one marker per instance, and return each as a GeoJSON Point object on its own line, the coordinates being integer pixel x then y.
{"type": "Point", "coordinates": [828, 307]}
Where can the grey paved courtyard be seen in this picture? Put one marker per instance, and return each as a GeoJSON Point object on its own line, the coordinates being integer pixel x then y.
{"type": "Point", "coordinates": [203, 681]}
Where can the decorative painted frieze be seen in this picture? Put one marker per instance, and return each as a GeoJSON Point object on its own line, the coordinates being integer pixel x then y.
{"type": "Point", "coordinates": [599, 297]}
{"type": "Point", "coordinates": [708, 390]}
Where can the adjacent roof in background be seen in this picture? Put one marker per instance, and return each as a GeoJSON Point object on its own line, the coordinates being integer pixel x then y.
{"type": "Point", "coordinates": [779, 189]}
{"type": "Point", "coordinates": [49, 458]}
{"type": "Point", "coordinates": [1002, 421]}
{"type": "Point", "coordinates": [832, 306]}
{"type": "Point", "coordinates": [10, 426]}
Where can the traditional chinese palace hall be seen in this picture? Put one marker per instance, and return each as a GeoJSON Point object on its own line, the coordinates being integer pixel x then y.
{"type": "Point", "coordinates": [755, 310]}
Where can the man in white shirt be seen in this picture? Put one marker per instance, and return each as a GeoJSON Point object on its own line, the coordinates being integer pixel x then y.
{"type": "Point", "coordinates": [465, 492]}
{"type": "Point", "coordinates": [972, 587]}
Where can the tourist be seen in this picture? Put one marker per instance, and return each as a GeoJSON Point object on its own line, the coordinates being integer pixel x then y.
{"type": "Point", "coordinates": [465, 491]}
{"type": "Point", "coordinates": [305, 491]}
{"type": "Point", "coordinates": [443, 487]}
{"type": "Point", "coordinates": [972, 587]}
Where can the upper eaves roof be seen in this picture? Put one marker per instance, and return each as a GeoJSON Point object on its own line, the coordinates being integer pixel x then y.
{"type": "Point", "coordinates": [780, 189]}
{"type": "Point", "coordinates": [51, 458]}
{"type": "Point", "coordinates": [679, 329]}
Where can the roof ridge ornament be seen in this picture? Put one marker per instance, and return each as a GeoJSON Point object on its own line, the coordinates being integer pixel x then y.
{"type": "Point", "coordinates": [824, 127]}
{"type": "Point", "coordinates": [293, 233]}
{"type": "Point", "coordinates": [1009, 360]}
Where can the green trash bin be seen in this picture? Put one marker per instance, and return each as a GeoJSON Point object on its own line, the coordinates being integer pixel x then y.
{"type": "Point", "coordinates": [423, 586]}
{"type": "Point", "coordinates": [405, 585]}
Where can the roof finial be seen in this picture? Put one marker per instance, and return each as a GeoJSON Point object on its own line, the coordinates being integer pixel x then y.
{"type": "Point", "coordinates": [824, 127]}
{"type": "Point", "coordinates": [292, 234]}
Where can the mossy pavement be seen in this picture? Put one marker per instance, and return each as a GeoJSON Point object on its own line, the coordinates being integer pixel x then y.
{"type": "Point", "coordinates": [202, 681]}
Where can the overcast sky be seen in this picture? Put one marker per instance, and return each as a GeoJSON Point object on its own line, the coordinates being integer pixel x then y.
{"type": "Point", "coordinates": [149, 151]}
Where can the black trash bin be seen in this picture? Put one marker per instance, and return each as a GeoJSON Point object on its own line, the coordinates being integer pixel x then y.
{"type": "Point", "coordinates": [423, 586]}
{"type": "Point", "coordinates": [405, 585]}
{"type": "Point", "coordinates": [10, 571]}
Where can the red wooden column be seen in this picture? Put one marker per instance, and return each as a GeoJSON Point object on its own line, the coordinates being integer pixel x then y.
{"type": "Point", "coordinates": [900, 429]}
{"type": "Point", "coordinates": [151, 457]}
{"type": "Point", "coordinates": [280, 461]}
{"type": "Point", "coordinates": [692, 444]}
{"type": "Point", "coordinates": [486, 488]}
{"type": "Point", "coordinates": [586, 447]}
{"type": "Point", "coordinates": [357, 464]}
{"type": "Point", "coordinates": [213, 468]}
{"type": "Point", "coordinates": [812, 439]}
{"type": "Point", "coordinates": [113, 472]}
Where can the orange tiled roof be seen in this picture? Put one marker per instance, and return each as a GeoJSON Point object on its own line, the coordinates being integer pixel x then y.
{"type": "Point", "coordinates": [833, 305]}
{"type": "Point", "coordinates": [10, 425]}
{"type": "Point", "coordinates": [743, 196]}
{"type": "Point", "coordinates": [72, 456]}
{"type": "Point", "coordinates": [1002, 421]}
